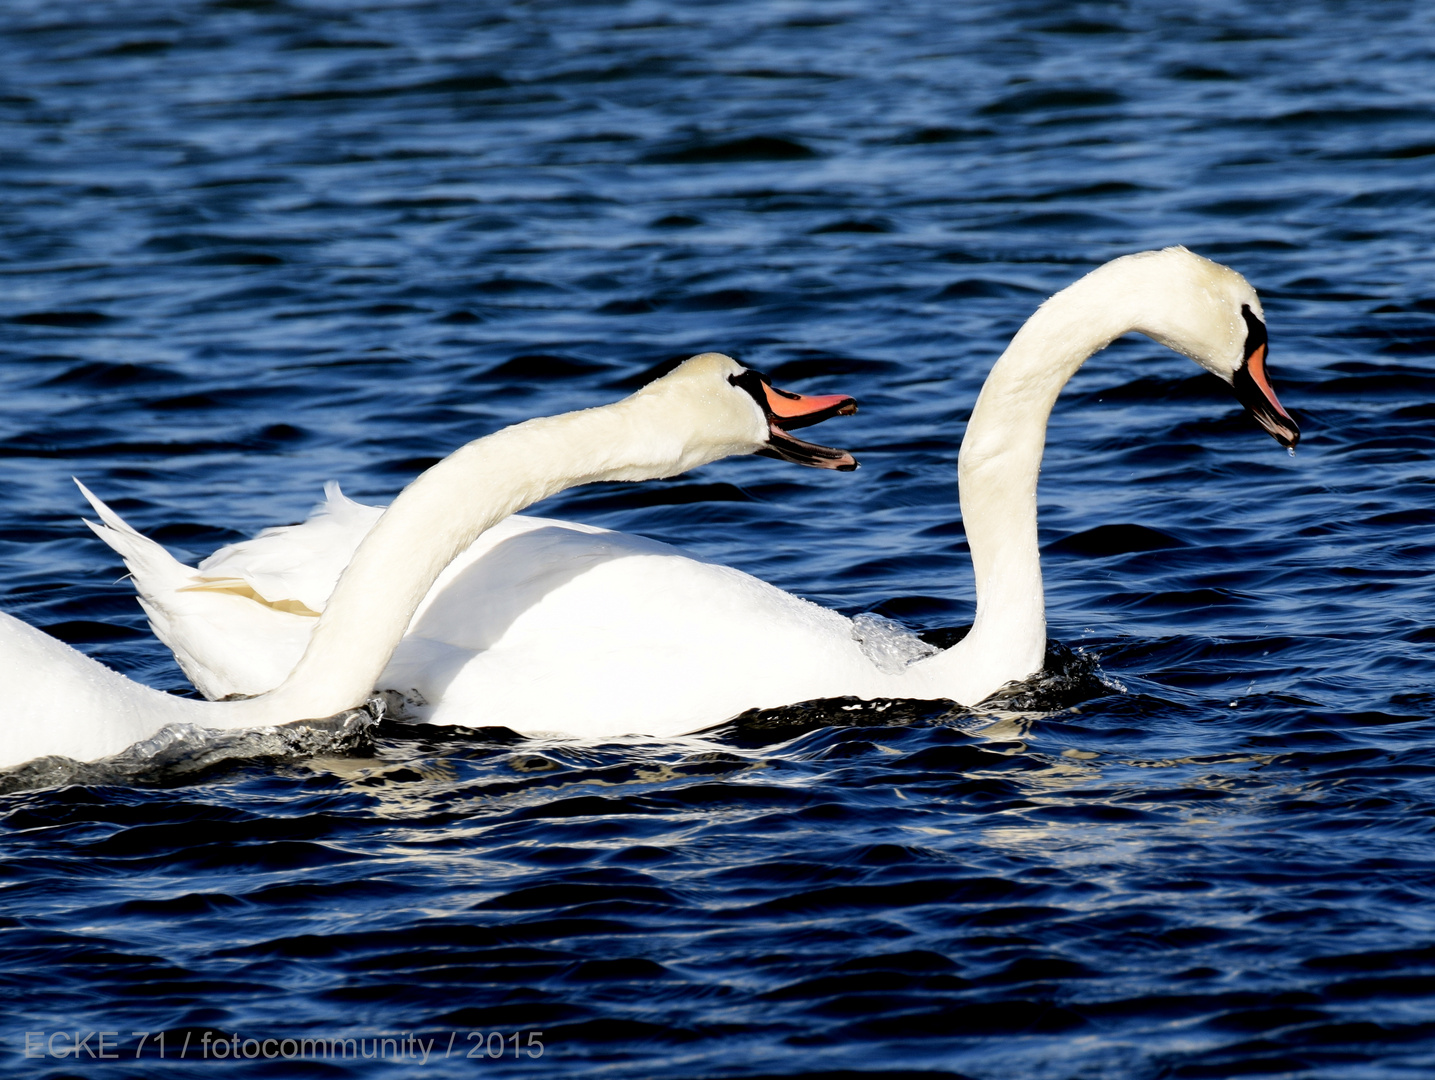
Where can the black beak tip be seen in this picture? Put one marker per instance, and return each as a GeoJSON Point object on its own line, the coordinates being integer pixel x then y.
{"type": "Point", "coordinates": [1264, 409]}
{"type": "Point", "coordinates": [1282, 429]}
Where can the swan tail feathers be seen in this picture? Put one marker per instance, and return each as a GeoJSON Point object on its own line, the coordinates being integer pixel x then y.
{"type": "Point", "coordinates": [238, 622]}
{"type": "Point", "coordinates": [186, 623]}
{"type": "Point", "coordinates": [150, 564]}
{"type": "Point", "coordinates": [106, 515]}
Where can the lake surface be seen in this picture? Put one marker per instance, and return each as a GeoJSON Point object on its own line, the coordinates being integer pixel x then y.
{"type": "Point", "coordinates": [250, 246]}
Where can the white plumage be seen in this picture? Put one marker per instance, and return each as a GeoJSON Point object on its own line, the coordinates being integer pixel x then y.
{"type": "Point", "coordinates": [547, 626]}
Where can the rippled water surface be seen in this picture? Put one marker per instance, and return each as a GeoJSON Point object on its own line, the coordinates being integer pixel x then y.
{"type": "Point", "coordinates": [253, 245]}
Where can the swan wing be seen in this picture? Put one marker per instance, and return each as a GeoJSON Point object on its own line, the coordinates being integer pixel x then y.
{"type": "Point", "coordinates": [297, 565]}
{"type": "Point", "coordinates": [239, 622]}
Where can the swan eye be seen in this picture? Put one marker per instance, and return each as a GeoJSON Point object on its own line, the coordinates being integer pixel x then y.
{"type": "Point", "coordinates": [1256, 337]}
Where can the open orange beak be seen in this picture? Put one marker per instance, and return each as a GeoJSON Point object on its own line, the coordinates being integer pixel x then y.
{"type": "Point", "coordinates": [786, 411]}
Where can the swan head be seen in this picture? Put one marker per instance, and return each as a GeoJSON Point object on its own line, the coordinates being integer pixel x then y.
{"type": "Point", "coordinates": [728, 408]}
{"type": "Point", "coordinates": [1216, 319]}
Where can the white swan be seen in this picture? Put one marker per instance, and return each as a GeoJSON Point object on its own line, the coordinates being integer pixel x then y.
{"type": "Point", "coordinates": [707, 408]}
{"type": "Point", "coordinates": [545, 626]}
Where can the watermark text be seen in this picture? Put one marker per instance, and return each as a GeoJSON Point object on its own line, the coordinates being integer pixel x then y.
{"type": "Point", "coordinates": [202, 1044]}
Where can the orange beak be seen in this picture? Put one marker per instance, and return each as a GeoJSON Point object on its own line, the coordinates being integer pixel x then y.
{"type": "Point", "coordinates": [786, 411]}
{"type": "Point", "coordinates": [1254, 390]}
{"type": "Point", "coordinates": [791, 410]}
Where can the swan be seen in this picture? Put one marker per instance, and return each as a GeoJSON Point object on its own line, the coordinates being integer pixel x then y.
{"type": "Point", "coordinates": [707, 408]}
{"type": "Point", "coordinates": [551, 627]}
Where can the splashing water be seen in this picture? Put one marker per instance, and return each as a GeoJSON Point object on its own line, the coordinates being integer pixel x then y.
{"type": "Point", "coordinates": [888, 644]}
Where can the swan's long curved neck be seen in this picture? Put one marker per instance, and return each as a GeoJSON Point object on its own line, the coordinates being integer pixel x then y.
{"type": "Point", "coordinates": [435, 518]}
{"type": "Point", "coordinates": [999, 464]}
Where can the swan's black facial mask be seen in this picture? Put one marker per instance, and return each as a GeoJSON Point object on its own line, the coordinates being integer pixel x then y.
{"type": "Point", "coordinates": [785, 410]}
{"type": "Point", "coordinates": [1253, 386]}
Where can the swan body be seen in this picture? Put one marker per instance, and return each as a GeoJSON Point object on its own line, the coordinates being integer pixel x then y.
{"type": "Point", "coordinates": [706, 409]}
{"type": "Point", "coordinates": [546, 626]}
{"type": "Point", "coordinates": [540, 625]}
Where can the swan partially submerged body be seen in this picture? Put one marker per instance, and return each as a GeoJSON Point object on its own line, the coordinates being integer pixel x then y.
{"type": "Point", "coordinates": [547, 626]}
{"type": "Point", "coordinates": [708, 408]}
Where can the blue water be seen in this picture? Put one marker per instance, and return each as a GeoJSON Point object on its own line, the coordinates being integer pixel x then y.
{"type": "Point", "coordinates": [252, 245]}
